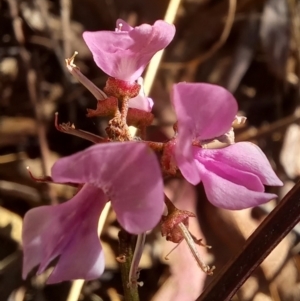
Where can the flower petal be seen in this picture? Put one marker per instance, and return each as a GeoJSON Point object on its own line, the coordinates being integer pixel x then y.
{"type": "Point", "coordinates": [206, 110]}
{"type": "Point", "coordinates": [68, 230]}
{"type": "Point", "coordinates": [234, 175]}
{"type": "Point", "coordinates": [245, 156]}
{"type": "Point", "coordinates": [125, 54]}
{"type": "Point", "coordinates": [228, 195]}
{"type": "Point", "coordinates": [185, 158]}
{"type": "Point", "coordinates": [141, 102]}
{"type": "Point", "coordinates": [127, 172]}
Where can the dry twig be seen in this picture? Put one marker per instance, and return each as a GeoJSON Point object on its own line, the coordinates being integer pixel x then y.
{"type": "Point", "coordinates": [32, 84]}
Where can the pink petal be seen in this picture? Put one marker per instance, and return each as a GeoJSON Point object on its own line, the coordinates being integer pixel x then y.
{"type": "Point", "coordinates": [185, 158]}
{"type": "Point", "coordinates": [234, 175]}
{"type": "Point", "coordinates": [127, 172]}
{"type": "Point", "coordinates": [245, 156]}
{"type": "Point", "coordinates": [125, 54]}
{"type": "Point", "coordinates": [141, 102]}
{"type": "Point", "coordinates": [68, 230]}
{"type": "Point", "coordinates": [228, 195]}
{"type": "Point", "coordinates": [206, 110]}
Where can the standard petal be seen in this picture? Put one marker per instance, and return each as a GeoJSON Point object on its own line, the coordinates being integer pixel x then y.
{"type": "Point", "coordinates": [127, 172]}
{"type": "Point", "coordinates": [112, 54]}
{"type": "Point", "coordinates": [150, 39]}
{"type": "Point", "coordinates": [125, 54]}
{"type": "Point", "coordinates": [228, 195]}
{"type": "Point", "coordinates": [68, 230]}
{"type": "Point", "coordinates": [206, 111]}
{"type": "Point", "coordinates": [245, 156]}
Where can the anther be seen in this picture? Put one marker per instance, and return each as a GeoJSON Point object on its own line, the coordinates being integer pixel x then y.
{"type": "Point", "coordinates": [70, 61]}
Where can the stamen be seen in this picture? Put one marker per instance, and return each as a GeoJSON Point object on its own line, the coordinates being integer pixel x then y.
{"type": "Point", "coordinates": [48, 179]}
{"type": "Point", "coordinates": [70, 61]}
{"type": "Point", "coordinates": [70, 129]}
{"type": "Point", "coordinates": [120, 25]}
{"type": "Point", "coordinates": [238, 120]}
{"type": "Point", "coordinates": [224, 140]}
{"type": "Point", "coordinates": [215, 144]}
{"type": "Point", "coordinates": [45, 179]}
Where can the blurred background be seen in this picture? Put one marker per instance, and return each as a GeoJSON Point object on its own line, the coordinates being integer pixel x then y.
{"type": "Point", "coordinates": [251, 47]}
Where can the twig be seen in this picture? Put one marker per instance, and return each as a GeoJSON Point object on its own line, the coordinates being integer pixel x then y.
{"type": "Point", "coordinates": [65, 6]}
{"type": "Point", "coordinates": [154, 64]}
{"type": "Point", "coordinates": [223, 38]}
{"type": "Point", "coordinates": [259, 245]}
{"type": "Point", "coordinates": [194, 63]}
{"type": "Point", "coordinates": [280, 125]}
{"type": "Point", "coordinates": [31, 79]}
{"type": "Point", "coordinates": [295, 24]}
{"type": "Point", "coordinates": [126, 248]}
{"type": "Point", "coordinates": [42, 4]}
{"type": "Point", "coordinates": [21, 191]}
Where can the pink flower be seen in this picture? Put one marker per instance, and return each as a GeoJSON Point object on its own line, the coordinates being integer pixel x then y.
{"type": "Point", "coordinates": [233, 176]}
{"type": "Point", "coordinates": [109, 172]}
{"type": "Point", "coordinates": [124, 53]}
{"type": "Point", "coordinates": [141, 101]}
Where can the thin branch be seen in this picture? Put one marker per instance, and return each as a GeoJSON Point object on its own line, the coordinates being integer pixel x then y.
{"type": "Point", "coordinates": [223, 38]}
{"type": "Point", "coordinates": [259, 245]}
{"type": "Point", "coordinates": [65, 8]}
{"type": "Point", "coordinates": [31, 79]}
{"type": "Point", "coordinates": [43, 7]}
{"type": "Point", "coordinates": [154, 64]}
{"type": "Point", "coordinates": [215, 47]}
{"type": "Point", "coordinates": [266, 130]}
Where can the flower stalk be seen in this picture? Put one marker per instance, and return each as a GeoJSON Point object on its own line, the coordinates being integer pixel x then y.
{"type": "Point", "coordinates": [126, 250]}
{"type": "Point", "coordinates": [137, 255]}
{"type": "Point", "coordinates": [124, 109]}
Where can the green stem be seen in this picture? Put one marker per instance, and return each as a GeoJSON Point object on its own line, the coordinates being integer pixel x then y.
{"type": "Point", "coordinates": [126, 248]}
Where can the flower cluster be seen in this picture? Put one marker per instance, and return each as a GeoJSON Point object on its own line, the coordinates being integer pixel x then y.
{"type": "Point", "coordinates": [125, 170]}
